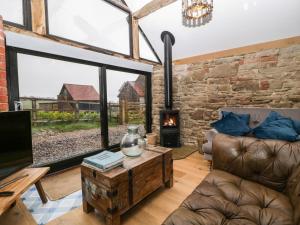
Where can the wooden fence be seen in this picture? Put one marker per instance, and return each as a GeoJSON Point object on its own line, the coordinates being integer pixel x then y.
{"type": "Point", "coordinates": [36, 105]}
{"type": "Point", "coordinates": [123, 112]}
{"type": "Point", "coordinates": [126, 112]}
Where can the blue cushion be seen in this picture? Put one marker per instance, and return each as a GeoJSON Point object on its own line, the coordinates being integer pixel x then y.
{"type": "Point", "coordinates": [231, 125]}
{"type": "Point", "coordinates": [244, 117]}
{"type": "Point", "coordinates": [272, 117]}
{"type": "Point", "coordinates": [297, 125]}
{"type": "Point", "coordinates": [278, 127]}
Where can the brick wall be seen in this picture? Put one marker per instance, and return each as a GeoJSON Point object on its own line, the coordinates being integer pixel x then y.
{"type": "Point", "coordinates": [269, 78]}
{"type": "Point", "coordinates": [3, 83]}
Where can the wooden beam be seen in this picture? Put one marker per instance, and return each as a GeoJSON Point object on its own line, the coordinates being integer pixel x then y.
{"type": "Point", "coordinates": [72, 43]}
{"type": "Point", "coordinates": [239, 51]}
{"type": "Point", "coordinates": [38, 16]}
{"type": "Point", "coordinates": [135, 38]}
{"type": "Point", "coordinates": [151, 7]}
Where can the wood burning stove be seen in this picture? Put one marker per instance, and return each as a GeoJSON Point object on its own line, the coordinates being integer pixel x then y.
{"type": "Point", "coordinates": [169, 128]}
{"type": "Point", "coordinates": [169, 118]}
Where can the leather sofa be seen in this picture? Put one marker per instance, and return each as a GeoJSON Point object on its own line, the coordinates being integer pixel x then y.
{"type": "Point", "coordinates": [253, 182]}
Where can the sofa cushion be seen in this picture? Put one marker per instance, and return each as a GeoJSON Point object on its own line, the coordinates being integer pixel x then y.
{"type": "Point", "coordinates": [232, 125]}
{"type": "Point", "coordinates": [258, 115]}
{"type": "Point", "coordinates": [278, 127]}
{"type": "Point", "coordinates": [297, 125]}
{"type": "Point", "coordinates": [293, 192]}
{"type": "Point", "coordinates": [244, 117]}
{"type": "Point", "coordinates": [223, 198]}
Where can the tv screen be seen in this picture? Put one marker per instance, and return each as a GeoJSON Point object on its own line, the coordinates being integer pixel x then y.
{"type": "Point", "coordinates": [15, 142]}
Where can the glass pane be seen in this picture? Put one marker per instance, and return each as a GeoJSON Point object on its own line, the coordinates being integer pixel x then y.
{"type": "Point", "coordinates": [64, 100]}
{"type": "Point", "coordinates": [145, 50]}
{"type": "Point", "coordinates": [93, 22]}
{"type": "Point", "coordinates": [135, 5]}
{"type": "Point", "coordinates": [126, 103]}
{"type": "Point", "coordinates": [12, 11]}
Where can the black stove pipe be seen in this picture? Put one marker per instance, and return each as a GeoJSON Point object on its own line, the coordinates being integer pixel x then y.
{"type": "Point", "coordinates": [168, 40]}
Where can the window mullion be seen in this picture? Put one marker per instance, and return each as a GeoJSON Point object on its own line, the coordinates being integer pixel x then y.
{"type": "Point", "coordinates": [103, 107]}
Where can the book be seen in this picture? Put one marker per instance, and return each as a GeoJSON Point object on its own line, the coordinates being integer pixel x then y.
{"type": "Point", "coordinates": [105, 160]}
{"type": "Point", "coordinates": [103, 170]}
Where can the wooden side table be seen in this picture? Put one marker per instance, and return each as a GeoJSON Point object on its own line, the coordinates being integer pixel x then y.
{"type": "Point", "coordinates": [114, 192]}
{"type": "Point", "coordinates": [20, 186]}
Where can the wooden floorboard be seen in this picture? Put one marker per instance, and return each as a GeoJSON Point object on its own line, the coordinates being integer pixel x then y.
{"type": "Point", "coordinates": [188, 173]}
{"type": "Point", "coordinates": [17, 215]}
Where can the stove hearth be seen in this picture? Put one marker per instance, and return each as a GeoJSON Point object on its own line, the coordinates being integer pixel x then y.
{"type": "Point", "coordinates": [169, 128]}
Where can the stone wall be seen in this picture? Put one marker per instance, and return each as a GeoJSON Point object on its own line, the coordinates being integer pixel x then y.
{"type": "Point", "coordinates": [3, 82]}
{"type": "Point", "coordinates": [269, 78]}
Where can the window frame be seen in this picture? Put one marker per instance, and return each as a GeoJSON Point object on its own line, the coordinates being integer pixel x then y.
{"type": "Point", "coordinates": [27, 17]}
{"type": "Point", "coordinates": [150, 46]}
{"type": "Point", "coordinates": [92, 47]}
{"type": "Point", "coordinates": [148, 103]}
{"type": "Point", "coordinates": [13, 95]}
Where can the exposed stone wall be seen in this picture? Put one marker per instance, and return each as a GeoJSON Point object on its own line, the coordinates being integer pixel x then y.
{"type": "Point", "coordinates": [269, 78]}
{"type": "Point", "coordinates": [3, 82]}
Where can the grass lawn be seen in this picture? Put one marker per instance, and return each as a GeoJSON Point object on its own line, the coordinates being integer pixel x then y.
{"type": "Point", "coordinates": [73, 126]}
{"type": "Point", "coordinates": [66, 127]}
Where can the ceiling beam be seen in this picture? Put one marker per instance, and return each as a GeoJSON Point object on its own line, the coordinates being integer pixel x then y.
{"type": "Point", "coordinates": [38, 15]}
{"type": "Point", "coordinates": [135, 38]}
{"type": "Point", "coordinates": [151, 7]}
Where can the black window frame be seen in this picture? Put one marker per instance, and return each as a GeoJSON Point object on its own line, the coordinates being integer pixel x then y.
{"type": "Point", "coordinates": [148, 42]}
{"type": "Point", "coordinates": [27, 19]}
{"type": "Point", "coordinates": [148, 104]}
{"type": "Point", "coordinates": [150, 46]}
{"type": "Point", "coordinates": [13, 95]}
{"type": "Point", "coordinates": [91, 47]}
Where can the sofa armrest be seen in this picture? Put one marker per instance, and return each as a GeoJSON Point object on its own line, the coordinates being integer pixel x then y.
{"type": "Point", "coordinates": [209, 135]}
{"type": "Point", "coordinates": [268, 162]}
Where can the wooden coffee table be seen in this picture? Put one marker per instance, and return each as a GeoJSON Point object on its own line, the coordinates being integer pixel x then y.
{"type": "Point", "coordinates": [114, 192]}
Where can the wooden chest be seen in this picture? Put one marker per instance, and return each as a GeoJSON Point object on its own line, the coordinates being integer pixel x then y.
{"type": "Point", "coordinates": [114, 192]}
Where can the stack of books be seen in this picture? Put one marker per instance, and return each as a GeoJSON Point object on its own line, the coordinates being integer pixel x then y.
{"type": "Point", "coordinates": [105, 160]}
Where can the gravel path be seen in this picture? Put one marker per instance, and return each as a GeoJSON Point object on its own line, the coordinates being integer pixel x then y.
{"type": "Point", "coordinates": [49, 146]}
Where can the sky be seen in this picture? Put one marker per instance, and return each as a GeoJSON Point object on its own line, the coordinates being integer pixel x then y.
{"type": "Point", "coordinates": [43, 77]}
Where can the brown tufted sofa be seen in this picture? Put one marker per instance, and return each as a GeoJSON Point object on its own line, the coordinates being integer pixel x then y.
{"type": "Point", "coordinates": [254, 182]}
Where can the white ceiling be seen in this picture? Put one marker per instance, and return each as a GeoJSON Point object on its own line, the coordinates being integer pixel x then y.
{"type": "Point", "coordinates": [235, 23]}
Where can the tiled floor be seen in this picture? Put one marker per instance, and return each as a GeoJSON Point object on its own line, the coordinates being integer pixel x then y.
{"type": "Point", "coordinates": [43, 213]}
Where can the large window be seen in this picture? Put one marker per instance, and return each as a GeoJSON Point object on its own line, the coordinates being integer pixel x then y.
{"type": "Point", "coordinates": [78, 107]}
{"type": "Point", "coordinates": [16, 12]}
{"type": "Point", "coordinates": [64, 100]}
{"type": "Point", "coordinates": [125, 103]}
{"type": "Point", "coordinates": [93, 22]}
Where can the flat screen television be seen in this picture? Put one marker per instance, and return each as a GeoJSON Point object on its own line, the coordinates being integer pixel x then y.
{"type": "Point", "coordinates": [15, 142]}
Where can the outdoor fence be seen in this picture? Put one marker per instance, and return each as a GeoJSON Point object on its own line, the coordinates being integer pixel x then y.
{"type": "Point", "coordinates": [44, 109]}
{"type": "Point", "coordinates": [37, 106]}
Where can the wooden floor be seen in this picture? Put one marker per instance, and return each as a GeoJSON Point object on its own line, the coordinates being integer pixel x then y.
{"type": "Point", "coordinates": [188, 173]}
